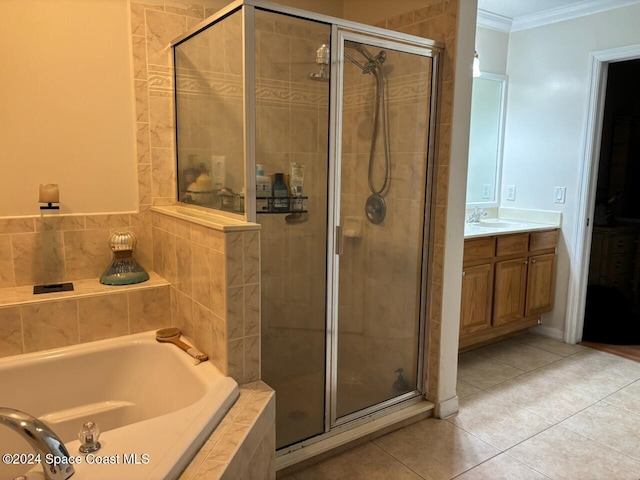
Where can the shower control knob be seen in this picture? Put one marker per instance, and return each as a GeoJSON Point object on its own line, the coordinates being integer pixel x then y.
{"type": "Point", "coordinates": [88, 436]}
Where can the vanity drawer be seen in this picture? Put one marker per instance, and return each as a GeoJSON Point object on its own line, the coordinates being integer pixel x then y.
{"type": "Point", "coordinates": [543, 240]}
{"type": "Point", "coordinates": [621, 243]}
{"type": "Point", "coordinates": [616, 264]}
{"type": "Point", "coordinates": [479, 248]}
{"type": "Point", "coordinates": [512, 244]}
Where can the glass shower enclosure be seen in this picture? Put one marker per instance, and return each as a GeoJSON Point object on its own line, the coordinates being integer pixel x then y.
{"type": "Point", "coordinates": [322, 131]}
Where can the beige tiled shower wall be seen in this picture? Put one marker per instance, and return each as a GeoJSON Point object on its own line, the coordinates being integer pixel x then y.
{"type": "Point", "coordinates": [437, 21]}
{"type": "Point", "coordinates": [215, 290]}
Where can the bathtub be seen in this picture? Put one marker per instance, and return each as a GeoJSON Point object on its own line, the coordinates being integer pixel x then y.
{"type": "Point", "coordinates": [154, 407]}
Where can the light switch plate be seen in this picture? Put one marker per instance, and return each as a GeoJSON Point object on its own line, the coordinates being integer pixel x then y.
{"type": "Point", "coordinates": [486, 191]}
{"type": "Point", "coordinates": [560, 194]}
{"type": "Point", "coordinates": [511, 193]}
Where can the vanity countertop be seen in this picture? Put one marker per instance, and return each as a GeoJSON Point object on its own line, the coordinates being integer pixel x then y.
{"type": "Point", "coordinates": [495, 226]}
{"type": "Point", "coordinates": [513, 221]}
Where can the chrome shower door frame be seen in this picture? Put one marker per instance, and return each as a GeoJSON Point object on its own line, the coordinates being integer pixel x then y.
{"type": "Point", "coordinates": [340, 35]}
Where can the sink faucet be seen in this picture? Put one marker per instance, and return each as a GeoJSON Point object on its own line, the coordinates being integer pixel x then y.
{"type": "Point", "coordinates": [476, 214]}
{"type": "Point", "coordinates": [42, 440]}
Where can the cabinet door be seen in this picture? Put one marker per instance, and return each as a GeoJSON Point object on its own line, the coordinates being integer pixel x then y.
{"type": "Point", "coordinates": [475, 311]}
{"type": "Point", "coordinates": [541, 280]}
{"type": "Point", "coordinates": [510, 289]}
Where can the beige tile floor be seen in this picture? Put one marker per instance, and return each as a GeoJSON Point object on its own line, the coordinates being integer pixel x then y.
{"type": "Point", "coordinates": [530, 408]}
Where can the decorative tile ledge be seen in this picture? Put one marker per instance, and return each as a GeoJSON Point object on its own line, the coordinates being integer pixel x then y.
{"type": "Point", "coordinates": [31, 323]}
{"type": "Point", "coordinates": [206, 219]}
{"type": "Point", "coordinates": [82, 288]}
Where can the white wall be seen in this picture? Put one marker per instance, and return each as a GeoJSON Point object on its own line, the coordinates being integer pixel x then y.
{"type": "Point", "coordinates": [67, 112]}
{"type": "Point", "coordinates": [546, 116]}
{"type": "Point", "coordinates": [492, 47]}
{"type": "Point", "coordinates": [452, 284]}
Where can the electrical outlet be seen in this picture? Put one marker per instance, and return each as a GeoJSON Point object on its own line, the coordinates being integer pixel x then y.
{"type": "Point", "coordinates": [511, 193]}
{"type": "Point", "coordinates": [486, 191]}
{"type": "Point", "coordinates": [560, 194]}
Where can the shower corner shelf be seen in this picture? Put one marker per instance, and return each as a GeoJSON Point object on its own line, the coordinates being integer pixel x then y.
{"type": "Point", "coordinates": [270, 209]}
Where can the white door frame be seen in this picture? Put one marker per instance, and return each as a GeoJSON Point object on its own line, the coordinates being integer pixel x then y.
{"type": "Point", "coordinates": [598, 63]}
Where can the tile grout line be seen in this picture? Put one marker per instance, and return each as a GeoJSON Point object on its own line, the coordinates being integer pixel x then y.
{"type": "Point", "coordinates": [554, 422]}
{"type": "Point", "coordinates": [397, 459]}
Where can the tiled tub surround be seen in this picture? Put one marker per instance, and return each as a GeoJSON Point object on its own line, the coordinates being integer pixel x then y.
{"type": "Point", "coordinates": [243, 444]}
{"type": "Point", "coordinates": [30, 323]}
{"type": "Point", "coordinates": [214, 270]}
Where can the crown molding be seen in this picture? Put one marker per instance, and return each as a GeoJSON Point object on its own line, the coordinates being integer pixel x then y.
{"type": "Point", "coordinates": [494, 21]}
{"type": "Point", "coordinates": [567, 12]}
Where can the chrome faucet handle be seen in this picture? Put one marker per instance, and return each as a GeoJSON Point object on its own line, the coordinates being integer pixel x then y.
{"type": "Point", "coordinates": [88, 436]}
{"type": "Point", "coordinates": [474, 217]}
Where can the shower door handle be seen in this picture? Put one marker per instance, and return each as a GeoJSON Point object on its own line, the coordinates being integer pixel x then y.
{"type": "Point", "coordinates": [339, 240]}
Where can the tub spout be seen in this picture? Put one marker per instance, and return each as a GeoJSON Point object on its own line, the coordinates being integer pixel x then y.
{"type": "Point", "coordinates": [52, 451]}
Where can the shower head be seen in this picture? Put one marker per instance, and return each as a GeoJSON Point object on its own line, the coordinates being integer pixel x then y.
{"type": "Point", "coordinates": [373, 64]}
{"type": "Point", "coordinates": [365, 53]}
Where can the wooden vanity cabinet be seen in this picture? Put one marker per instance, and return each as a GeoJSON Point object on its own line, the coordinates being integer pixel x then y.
{"type": "Point", "coordinates": [508, 281]}
{"type": "Point", "coordinates": [510, 290]}
{"type": "Point", "coordinates": [541, 281]}
{"type": "Point", "coordinates": [477, 285]}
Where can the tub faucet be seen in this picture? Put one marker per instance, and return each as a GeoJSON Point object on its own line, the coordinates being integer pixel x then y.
{"type": "Point", "coordinates": [42, 440]}
{"type": "Point", "coordinates": [476, 214]}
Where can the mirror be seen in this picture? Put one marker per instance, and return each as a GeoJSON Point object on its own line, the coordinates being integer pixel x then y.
{"type": "Point", "coordinates": [486, 139]}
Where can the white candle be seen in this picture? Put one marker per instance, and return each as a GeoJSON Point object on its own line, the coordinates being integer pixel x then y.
{"type": "Point", "coordinates": [49, 193]}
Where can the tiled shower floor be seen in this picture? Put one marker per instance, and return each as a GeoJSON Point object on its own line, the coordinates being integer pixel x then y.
{"type": "Point", "coordinates": [530, 408]}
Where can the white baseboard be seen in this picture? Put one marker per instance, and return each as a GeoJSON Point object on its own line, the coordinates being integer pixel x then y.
{"type": "Point", "coordinates": [447, 408]}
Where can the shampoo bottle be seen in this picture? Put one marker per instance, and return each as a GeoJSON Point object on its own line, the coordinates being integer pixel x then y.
{"type": "Point", "coordinates": [280, 194]}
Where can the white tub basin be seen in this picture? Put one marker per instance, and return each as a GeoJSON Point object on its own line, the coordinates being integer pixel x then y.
{"type": "Point", "coordinates": [148, 398]}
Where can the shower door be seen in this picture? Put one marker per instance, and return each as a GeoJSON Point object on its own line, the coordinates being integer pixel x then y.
{"type": "Point", "coordinates": [384, 117]}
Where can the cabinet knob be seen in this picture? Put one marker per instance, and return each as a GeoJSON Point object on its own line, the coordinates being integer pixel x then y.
{"type": "Point", "coordinates": [533, 260]}
{"type": "Point", "coordinates": [525, 262]}
{"type": "Point", "coordinates": [464, 274]}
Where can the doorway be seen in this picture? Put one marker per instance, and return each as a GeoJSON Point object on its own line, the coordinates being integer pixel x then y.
{"type": "Point", "coordinates": [595, 192]}
{"type": "Point", "coordinates": [613, 295]}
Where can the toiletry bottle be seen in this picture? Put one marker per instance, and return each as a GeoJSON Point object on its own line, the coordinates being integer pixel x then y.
{"type": "Point", "coordinates": [295, 183]}
{"type": "Point", "coordinates": [280, 194]}
{"type": "Point", "coordinates": [263, 189]}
